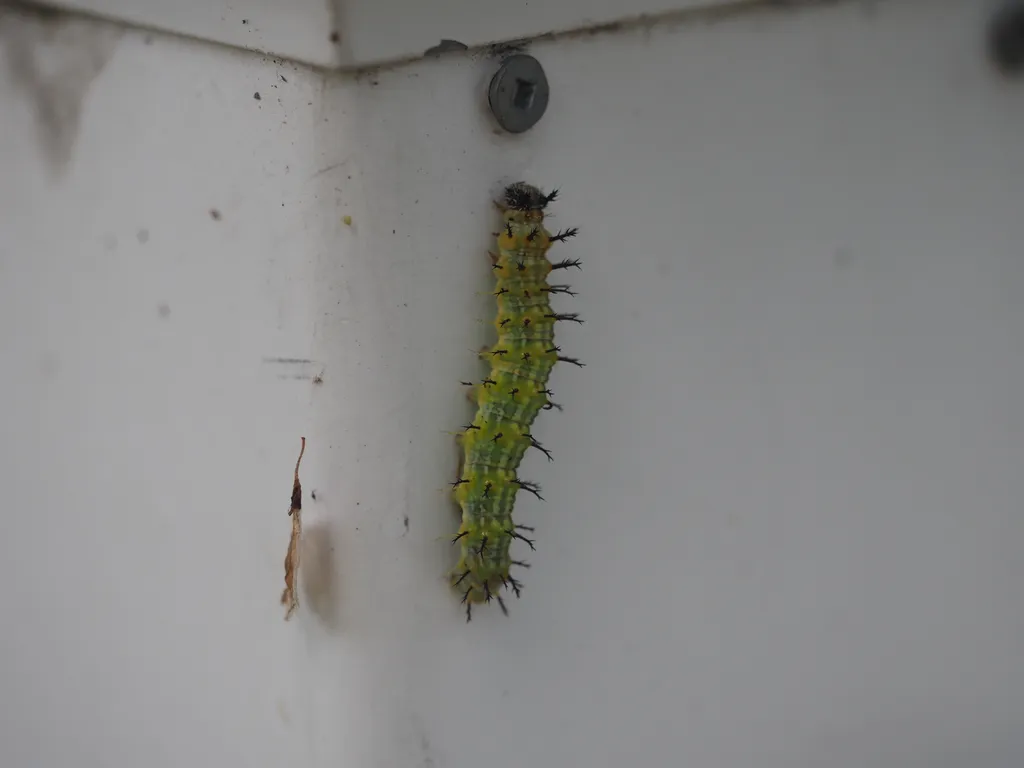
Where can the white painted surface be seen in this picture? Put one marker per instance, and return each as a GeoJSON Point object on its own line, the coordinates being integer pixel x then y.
{"type": "Point", "coordinates": [385, 30]}
{"type": "Point", "coordinates": [783, 524]}
{"type": "Point", "coordinates": [294, 29]}
{"type": "Point", "coordinates": [370, 32]}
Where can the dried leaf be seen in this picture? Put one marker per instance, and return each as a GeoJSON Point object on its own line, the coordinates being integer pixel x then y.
{"type": "Point", "coordinates": [290, 596]}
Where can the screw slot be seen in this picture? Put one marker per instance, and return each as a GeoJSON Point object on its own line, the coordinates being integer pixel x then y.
{"type": "Point", "coordinates": [524, 94]}
{"type": "Point", "coordinates": [1006, 38]}
{"type": "Point", "coordinates": [518, 93]}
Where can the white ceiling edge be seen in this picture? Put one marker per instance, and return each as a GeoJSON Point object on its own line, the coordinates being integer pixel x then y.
{"type": "Point", "coordinates": [355, 34]}
{"type": "Point", "coordinates": [382, 31]}
{"type": "Point", "coordinates": [301, 30]}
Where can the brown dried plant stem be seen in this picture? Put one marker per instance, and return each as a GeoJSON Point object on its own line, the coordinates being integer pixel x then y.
{"type": "Point", "coordinates": [290, 595]}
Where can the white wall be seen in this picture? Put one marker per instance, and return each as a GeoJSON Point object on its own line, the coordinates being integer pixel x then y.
{"type": "Point", "coordinates": [360, 33]}
{"type": "Point", "coordinates": [381, 31]}
{"type": "Point", "coordinates": [783, 523]}
{"type": "Point", "coordinates": [300, 30]}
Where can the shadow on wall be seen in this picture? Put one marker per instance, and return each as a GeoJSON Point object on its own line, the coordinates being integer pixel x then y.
{"type": "Point", "coordinates": [53, 58]}
{"type": "Point", "coordinates": [318, 574]}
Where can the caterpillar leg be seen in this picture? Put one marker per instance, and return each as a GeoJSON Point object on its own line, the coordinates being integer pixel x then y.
{"type": "Point", "coordinates": [490, 353]}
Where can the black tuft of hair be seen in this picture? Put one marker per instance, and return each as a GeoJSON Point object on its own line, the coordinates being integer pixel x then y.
{"type": "Point", "coordinates": [521, 196]}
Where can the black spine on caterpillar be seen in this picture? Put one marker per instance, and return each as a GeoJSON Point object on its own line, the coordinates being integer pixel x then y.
{"type": "Point", "coordinates": [509, 398]}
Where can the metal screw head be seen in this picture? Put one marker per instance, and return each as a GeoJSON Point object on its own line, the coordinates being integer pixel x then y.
{"type": "Point", "coordinates": [1006, 38]}
{"type": "Point", "coordinates": [518, 93]}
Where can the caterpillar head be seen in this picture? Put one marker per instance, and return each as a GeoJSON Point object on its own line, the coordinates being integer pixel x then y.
{"type": "Point", "coordinates": [525, 197]}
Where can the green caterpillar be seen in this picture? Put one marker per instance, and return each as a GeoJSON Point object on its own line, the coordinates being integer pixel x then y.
{"type": "Point", "coordinates": [509, 398]}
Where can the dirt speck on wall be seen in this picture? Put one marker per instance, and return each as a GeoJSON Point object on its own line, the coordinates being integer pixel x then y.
{"type": "Point", "coordinates": [53, 59]}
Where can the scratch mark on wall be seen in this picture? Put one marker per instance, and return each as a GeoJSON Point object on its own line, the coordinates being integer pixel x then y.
{"type": "Point", "coordinates": [329, 168]}
{"type": "Point", "coordinates": [53, 59]}
{"type": "Point", "coordinates": [288, 360]}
